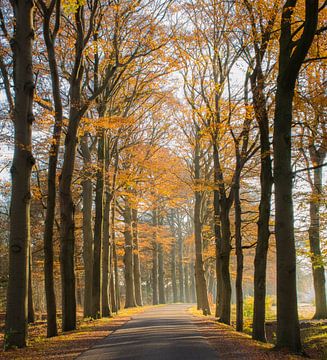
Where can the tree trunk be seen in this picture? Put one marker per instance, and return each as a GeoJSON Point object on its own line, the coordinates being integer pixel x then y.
{"type": "Point", "coordinates": [288, 330]}
{"type": "Point", "coordinates": [318, 269]}
{"type": "Point", "coordinates": [161, 274]}
{"type": "Point", "coordinates": [291, 57]}
{"type": "Point", "coordinates": [67, 229]}
{"type": "Point", "coordinates": [128, 257]}
{"type": "Point", "coordinates": [114, 254]}
{"type": "Point", "coordinates": [201, 285]}
{"type": "Point", "coordinates": [217, 231]}
{"type": "Point", "coordinates": [173, 272]}
{"type": "Point", "coordinates": [155, 298]}
{"type": "Point", "coordinates": [226, 289]}
{"type": "Point", "coordinates": [180, 260]}
{"type": "Point", "coordinates": [239, 255]}
{"type": "Point", "coordinates": [136, 258]}
{"type": "Point", "coordinates": [192, 283]}
{"type": "Point", "coordinates": [218, 281]}
{"type": "Point", "coordinates": [31, 314]}
{"type": "Point", "coordinates": [112, 288]}
{"type": "Point", "coordinates": [186, 284]}
{"type": "Point", "coordinates": [112, 259]}
{"type": "Point", "coordinates": [98, 232]}
{"type": "Point", "coordinates": [19, 238]}
{"type": "Point", "coordinates": [79, 291]}
{"type": "Point", "coordinates": [106, 273]}
{"type": "Point", "coordinates": [266, 181]}
{"type": "Point", "coordinates": [52, 329]}
{"type": "Point", "coordinates": [87, 228]}
{"type": "Point", "coordinates": [210, 281]}
{"type": "Point", "coordinates": [223, 247]}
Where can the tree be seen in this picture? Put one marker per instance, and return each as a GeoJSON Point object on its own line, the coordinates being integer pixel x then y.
{"type": "Point", "coordinates": [292, 54]}
{"type": "Point", "coordinates": [50, 37]}
{"type": "Point", "coordinates": [128, 255]}
{"type": "Point", "coordinates": [260, 42]}
{"type": "Point", "coordinates": [87, 226]}
{"type": "Point", "coordinates": [23, 161]}
{"type": "Point", "coordinates": [136, 258]}
{"type": "Point", "coordinates": [313, 145]}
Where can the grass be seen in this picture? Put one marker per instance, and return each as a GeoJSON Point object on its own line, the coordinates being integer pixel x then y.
{"type": "Point", "coordinates": [315, 338]}
{"type": "Point", "coordinates": [313, 333]}
{"type": "Point", "coordinates": [233, 345]}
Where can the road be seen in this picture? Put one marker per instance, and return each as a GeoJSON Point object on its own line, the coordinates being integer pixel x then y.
{"type": "Point", "coordinates": [161, 333]}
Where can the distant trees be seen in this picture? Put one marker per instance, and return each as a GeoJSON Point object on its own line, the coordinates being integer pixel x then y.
{"type": "Point", "coordinates": [313, 146]}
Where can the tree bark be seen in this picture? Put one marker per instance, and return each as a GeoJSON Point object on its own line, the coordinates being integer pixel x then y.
{"type": "Point", "coordinates": [180, 258]}
{"type": "Point", "coordinates": [192, 283]}
{"type": "Point", "coordinates": [114, 254]}
{"type": "Point", "coordinates": [128, 257]}
{"type": "Point", "coordinates": [87, 228]}
{"type": "Point", "coordinates": [222, 207]}
{"type": "Point", "coordinates": [106, 273]}
{"type": "Point", "coordinates": [67, 229]}
{"type": "Point", "coordinates": [173, 272]}
{"type": "Point", "coordinates": [112, 288]}
{"type": "Point", "coordinates": [217, 232]}
{"type": "Point", "coordinates": [201, 285]}
{"type": "Point", "coordinates": [290, 62]}
{"type": "Point", "coordinates": [161, 274]}
{"type": "Point", "coordinates": [67, 207]}
{"type": "Point", "coordinates": [266, 181]}
{"type": "Point", "coordinates": [186, 284]}
{"type": "Point", "coordinates": [155, 297]}
{"type": "Point", "coordinates": [136, 258]}
{"type": "Point", "coordinates": [98, 231]}
{"type": "Point", "coordinates": [239, 255]}
{"type": "Point", "coordinates": [31, 313]}
{"type": "Point", "coordinates": [49, 38]}
{"type": "Point", "coordinates": [318, 270]}
{"type": "Point", "coordinates": [19, 238]}
{"type": "Point", "coordinates": [288, 330]}
{"type": "Point", "coordinates": [226, 289]}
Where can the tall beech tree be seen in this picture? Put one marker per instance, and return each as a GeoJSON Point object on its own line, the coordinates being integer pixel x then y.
{"type": "Point", "coordinates": [261, 40]}
{"type": "Point", "coordinates": [155, 290]}
{"type": "Point", "coordinates": [313, 145]}
{"type": "Point", "coordinates": [245, 149]}
{"type": "Point", "coordinates": [136, 259]}
{"type": "Point", "coordinates": [197, 164]}
{"type": "Point", "coordinates": [215, 50]}
{"type": "Point", "coordinates": [317, 154]}
{"type": "Point", "coordinates": [292, 53]}
{"type": "Point", "coordinates": [50, 36]}
{"type": "Point", "coordinates": [23, 161]}
{"type": "Point", "coordinates": [87, 225]}
{"type": "Point", "coordinates": [128, 255]}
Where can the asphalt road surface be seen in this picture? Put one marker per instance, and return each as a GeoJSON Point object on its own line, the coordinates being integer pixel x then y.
{"type": "Point", "coordinates": [162, 333]}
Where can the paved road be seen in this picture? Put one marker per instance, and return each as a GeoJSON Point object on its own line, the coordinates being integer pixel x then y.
{"type": "Point", "coordinates": [162, 333]}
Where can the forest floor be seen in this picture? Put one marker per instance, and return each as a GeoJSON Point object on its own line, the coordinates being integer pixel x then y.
{"type": "Point", "coordinates": [69, 345]}
{"type": "Point", "coordinates": [228, 343]}
{"type": "Point", "coordinates": [235, 345]}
